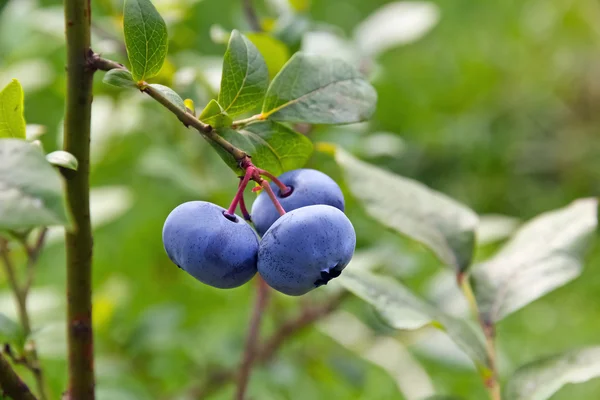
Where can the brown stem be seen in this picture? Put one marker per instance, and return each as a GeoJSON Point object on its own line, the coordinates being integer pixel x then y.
{"type": "Point", "coordinates": [10, 383]}
{"type": "Point", "coordinates": [250, 352]}
{"type": "Point", "coordinates": [79, 241]}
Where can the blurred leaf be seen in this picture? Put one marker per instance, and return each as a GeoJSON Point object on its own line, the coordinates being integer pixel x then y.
{"type": "Point", "coordinates": [300, 5]}
{"type": "Point", "coordinates": [10, 331]}
{"type": "Point", "coordinates": [403, 310]}
{"type": "Point", "coordinates": [189, 104]}
{"type": "Point", "coordinates": [494, 227]}
{"type": "Point", "coordinates": [544, 254]}
{"type": "Point", "coordinates": [245, 76]}
{"type": "Point", "coordinates": [145, 38]}
{"type": "Point", "coordinates": [395, 24]}
{"type": "Point", "coordinates": [170, 95]}
{"type": "Point", "coordinates": [30, 189]}
{"type": "Point", "coordinates": [214, 115]}
{"type": "Point", "coordinates": [274, 51]}
{"type": "Point", "coordinates": [34, 131]}
{"type": "Point", "coordinates": [120, 78]}
{"type": "Point", "coordinates": [442, 397]}
{"type": "Point", "coordinates": [12, 122]}
{"type": "Point", "coordinates": [62, 159]}
{"type": "Point", "coordinates": [411, 208]}
{"type": "Point", "coordinates": [540, 379]}
{"type": "Point", "coordinates": [324, 91]}
{"type": "Point", "coordinates": [273, 146]}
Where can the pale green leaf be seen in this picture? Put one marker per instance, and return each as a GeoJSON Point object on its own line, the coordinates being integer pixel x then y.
{"type": "Point", "coordinates": [62, 159]}
{"type": "Point", "coordinates": [275, 52]}
{"type": "Point", "coordinates": [272, 146]}
{"type": "Point", "coordinates": [404, 310]}
{"type": "Point", "coordinates": [541, 379]}
{"type": "Point", "coordinates": [10, 331]}
{"type": "Point", "coordinates": [214, 115]}
{"type": "Point", "coordinates": [31, 192]}
{"type": "Point", "coordinates": [319, 90]}
{"type": "Point", "coordinates": [543, 255]}
{"type": "Point", "coordinates": [411, 208]}
{"type": "Point", "coordinates": [145, 38]}
{"type": "Point", "coordinates": [245, 76]}
{"type": "Point", "coordinates": [12, 122]}
{"type": "Point", "coordinates": [120, 78]}
{"type": "Point", "coordinates": [170, 95]}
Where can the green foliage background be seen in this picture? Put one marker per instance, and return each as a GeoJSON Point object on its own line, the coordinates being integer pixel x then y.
{"type": "Point", "coordinates": [495, 106]}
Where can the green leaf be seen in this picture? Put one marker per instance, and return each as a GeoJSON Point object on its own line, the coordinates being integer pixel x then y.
{"type": "Point", "coordinates": [30, 189]}
{"type": "Point", "coordinates": [120, 78]}
{"type": "Point", "coordinates": [319, 90]}
{"type": "Point", "coordinates": [245, 76]}
{"type": "Point", "coordinates": [10, 331]}
{"type": "Point", "coordinates": [170, 95]}
{"type": "Point", "coordinates": [62, 159]}
{"type": "Point", "coordinates": [145, 38]}
{"type": "Point", "coordinates": [411, 208]}
{"type": "Point", "coordinates": [214, 115]}
{"type": "Point", "coordinates": [275, 52]}
{"type": "Point", "coordinates": [543, 255]}
{"type": "Point", "coordinates": [404, 310]}
{"type": "Point", "coordinates": [540, 379]}
{"type": "Point", "coordinates": [12, 122]}
{"type": "Point", "coordinates": [272, 146]}
{"type": "Point", "coordinates": [442, 397]}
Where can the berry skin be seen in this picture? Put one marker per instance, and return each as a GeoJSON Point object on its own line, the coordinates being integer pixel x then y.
{"type": "Point", "coordinates": [218, 250]}
{"type": "Point", "coordinates": [306, 248]}
{"type": "Point", "coordinates": [309, 187]}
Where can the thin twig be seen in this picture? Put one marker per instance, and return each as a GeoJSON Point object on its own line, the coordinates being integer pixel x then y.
{"type": "Point", "coordinates": [33, 253]}
{"type": "Point", "coordinates": [11, 384]}
{"type": "Point", "coordinates": [250, 351]}
{"type": "Point", "coordinates": [251, 16]}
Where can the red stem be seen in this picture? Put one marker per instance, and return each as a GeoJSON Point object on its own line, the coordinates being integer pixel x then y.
{"type": "Point", "coordinates": [244, 210]}
{"type": "Point", "coordinates": [239, 196]}
{"type": "Point", "coordinates": [282, 186]}
{"type": "Point", "coordinates": [267, 187]}
{"type": "Point", "coordinates": [251, 349]}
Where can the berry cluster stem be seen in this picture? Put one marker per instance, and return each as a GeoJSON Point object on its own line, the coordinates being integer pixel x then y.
{"type": "Point", "coordinates": [282, 187]}
{"type": "Point", "coordinates": [239, 196]}
{"type": "Point", "coordinates": [272, 196]}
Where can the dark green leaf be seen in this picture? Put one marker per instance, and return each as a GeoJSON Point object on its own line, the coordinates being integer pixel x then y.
{"type": "Point", "coordinates": [411, 208]}
{"type": "Point", "coordinates": [62, 159]}
{"type": "Point", "coordinates": [119, 78]}
{"type": "Point", "coordinates": [540, 379]}
{"type": "Point", "coordinates": [403, 310]}
{"type": "Point", "coordinates": [275, 52]}
{"type": "Point", "coordinates": [12, 122]}
{"type": "Point", "coordinates": [245, 76]}
{"type": "Point", "coordinates": [145, 38]}
{"type": "Point", "coordinates": [273, 146]}
{"type": "Point", "coordinates": [170, 95]}
{"type": "Point", "coordinates": [214, 115]}
{"type": "Point", "coordinates": [544, 254]}
{"type": "Point", "coordinates": [30, 189]}
{"type": "Point", "coordinates": [319, 90]}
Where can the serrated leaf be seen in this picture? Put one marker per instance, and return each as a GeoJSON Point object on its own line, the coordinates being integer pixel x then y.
{"type": "Point", "coordinates": [411, 208]}
{"type": "Point", "coordinates": [10, 331]}
{"type": "Point", "coordinates": [543, 255]}
{"type": "Point", "coordinates": [274, 51]}
{"type": "Point", "coordinates": [30, 189]}
{"type": "Point", "coordinates": [540, 379]}
{"type": "Point", "coordinates": [245, 76]}
{"type": "Point", "coordinates": [319, 90]}
{"type": "Point", "coordinates": [170, 95]}
{"type": "Point", "coordinates": [145, 38]}
{"type": "Point", "coordinates": [120, 78]}
{"type": "Point", "coordinates": [214, 115]}
{"type": "Point", "coordinates": [404, 310]}
{"type": "Point", "coordinates": [272, 146]}
{"type": "Point", "coordinates": [62, 159]}
{"type": "Point", "coordinates": [12, 122]}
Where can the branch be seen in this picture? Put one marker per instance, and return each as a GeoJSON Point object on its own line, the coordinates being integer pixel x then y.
{"type": "Point", "coordinates": [292, 327]}
{"type": "Point", "coordinates": [11, 384]}
{"type": "Point", "coordinates": [79, 241]}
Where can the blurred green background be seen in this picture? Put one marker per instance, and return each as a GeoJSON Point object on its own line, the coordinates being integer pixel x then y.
{"type": "Point", "coordinates": [492, 102]}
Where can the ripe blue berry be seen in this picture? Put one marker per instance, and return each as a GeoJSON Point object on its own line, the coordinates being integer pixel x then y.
{"type": "Point", "coordinates": [218, 249]}
{"type": "Point", "coordinates": [306, 248]}
{"type": "Point", "coordinates": [308, 187]}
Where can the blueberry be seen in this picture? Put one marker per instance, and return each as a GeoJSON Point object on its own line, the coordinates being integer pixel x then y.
{"type": "Point", "coordinates": [308, 187]}
{"type": "Point", "coordinates": [218, 249]}
{"type": "Point", "coordinates": [306, 248]}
